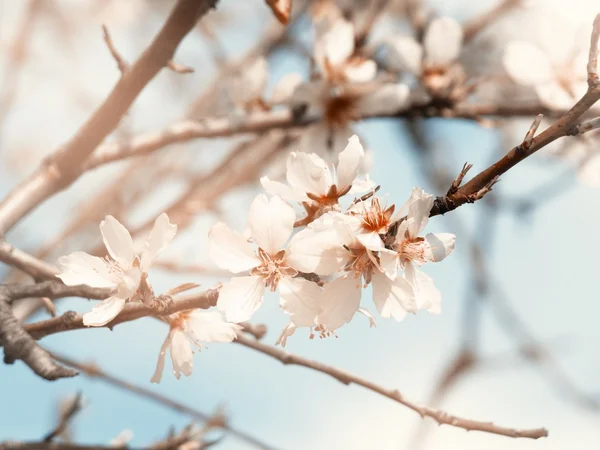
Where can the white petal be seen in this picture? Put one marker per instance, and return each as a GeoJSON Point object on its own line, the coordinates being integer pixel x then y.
{"type": "Point", "coordinates": [307, 172]}
{"type": "Point", "coordinates": [393, 298]}
{"type": "Point", "coordinates": [405, 55]}
{"type": "Point", "coordinates": [160, 364]}
{"type": "Point", "coordinates": [427, 295]}
{"type": "Point", "coordinates": [368, 315]}
{"type": "Point", "coordinates": [349, 163]}
{"type": "Point", "coordinates": [553, 96]}
{"type": "Point", "coordinates": [419, 204]}
{"type": "Point", "coordinates": [283, 190]}
{"type": "Point", "coordinates": [129, 283]}
{"type": "Point", "coordinates": [388, 99]}
{"type": "Point", "coordinates": [526, 64]}
{"type": "Point", "coordinates": [442, 42]}
{"type": "Point", "coordinates": [440, 245]}
{"type": "Point", "coordinates": [360, 71]}
{"type": "Point", "coordinates": [388, 262]}
{"type": "Point", "coordinates": [241, 297]}
{"type": "Point", "coordinates": [104, 312]}
{"type": "Point", "coordinates": [271, 222]}
{"type": "Point", "coordinates": [284, 89]}
{"type": "Point", "coordinates": [336, 45]}
{"type": "Point", "coordinates": [300, 299]}
{"type": "Point", "coordinates": [182, 355]}
{"type": "Point", "coordinates": [340, 300]}
{"type": "Point", "coordinates": [360, 186]}
{"type": "Point", "coordinates": [81, 268]}
{"type": "Point", "coordinates": [371, 240]}
{"type": "Point", "coordinates": [285, 333]}
{"type": "Point", "coordinates": [230, 250]}
{"type": "Point", "coordinates": [209, 326]}
{"type": "Point", "coordinates": [317, 248]}
{"type": "Point", "coordinates": [161, 235]}
{"type": "Point", "coordinates": [117, 241]}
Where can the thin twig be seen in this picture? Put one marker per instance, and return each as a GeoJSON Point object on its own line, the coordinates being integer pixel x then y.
{"type": "Point", "coordinates": [439, 416]}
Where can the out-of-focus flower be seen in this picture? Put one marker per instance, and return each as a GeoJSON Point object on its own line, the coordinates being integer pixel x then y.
{"type": "Point", "coordinates": [317, 185]}
{"type": "Point", "coordinates": [187, 328]}
{"type": "Point", "coordinates": [558, 84]}
{"type": "Point", "coordinates": [270, 222]}
{"type": "Point", "coordinates": [430, 62]}
{"type": "Point", "coordinates": [124, 272]}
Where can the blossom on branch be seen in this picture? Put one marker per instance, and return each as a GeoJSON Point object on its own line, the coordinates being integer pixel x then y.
{"type": "Point", "coordinates": [124, 272]}
{"type": "Point", "coordinates": [187, 328]}
{"type": "Point", "coordinates": [317, 185]}
{"type": "Point", "coordinates": [271, 222]}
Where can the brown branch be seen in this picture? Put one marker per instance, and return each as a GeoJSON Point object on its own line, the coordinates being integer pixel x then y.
{"type": "Point", "coordinates": [18, 344]}
{"type": "Point", "coordinates": [439, 416]}
{"type": "Point", "coordinates": [66, 164]}
{"type": "Point", "coordinates": [121, 63]}
{"type": "Point", "coordinates": [482, 182]}
{"type": "Point", "coordinates": [25, 262]}
{"type": "Point", "coordinates": [92, 370]}
{"type": "Point", "coordinates": [75, 405]}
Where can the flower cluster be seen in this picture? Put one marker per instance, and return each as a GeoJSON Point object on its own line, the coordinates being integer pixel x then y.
{"type": "Point", "coordinates": [321, 270]}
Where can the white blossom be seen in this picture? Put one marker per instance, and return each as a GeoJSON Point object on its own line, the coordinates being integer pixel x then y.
{"type": "Point", "coordinates": [558, 84]}
{"type": "Point", "coordinates": [413, 250]}
{"type": "Point", "coordinates": [187, 328]}
{"type": "Point", "coordinates": [441, 48]}
{"type": "Point", "coordinates": [318, 185]}
{"type": "Point", "coordinates": [271, 222]}
{"type": "Point", "coordinates": [124, 272]}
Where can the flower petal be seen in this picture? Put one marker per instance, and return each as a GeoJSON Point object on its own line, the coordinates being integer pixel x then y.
{"type": "Point", "coordinates": [365, 312]}
{"type": "Point", "coordinates": [349, 163]}
{"type": "Point", "coordinates": [427, 295]}
{"type": "Point", "coordinates": [160, 364]}
{"type": "Point", "coordinates": [418, 205]}
{"type": "Point", "coordinates": [405, 55]}
{"type": "Point", "coordinates": [230, 250]}
{"type": "Point", "coordinates": [388, 263]}
{"type": "Point", "coordinates": [117, 241]}
{"type": "Point", "coordinates": [340, 300]}
{"type": "Point", "coordinates": [182, 355]}
{"type": "Point", "coordinates": [388, 99]}
{"type": "Point", "coordinates": [271, 222]}
{"type": "Point", "coordinates": [161, 235]}
{"type": "Point", "coordinates": [209, 326]}
{"type": "Point", "coordinates": [283, 190]}
{"type": "Point", "coordinates": [440, 245]}
{"type": "Point", "coordinates": [300, 299]}
{"type": "Point", "coordinates": [81, 268]}
{"type": "Point", "coordinates": [104, 312]}
{"type": "Point", "coordinates": [285, 334]}
{"type": "Point", "coordinates": [241, 297]}
{"type": "Point", "coordinates": [360, 71]}
{"type": "Point", "coordinates": [526, 64]}
{"type": "Point", "coordinates": [307, 172]}
{"type": "Point", "coordinates": [317, 248]}
{"type": "Point", "coordinates": [336, 45]}
{"type": "Point", "coordinates": [393, 298]}
{"type": "Point", "coordinates": [442, 42]}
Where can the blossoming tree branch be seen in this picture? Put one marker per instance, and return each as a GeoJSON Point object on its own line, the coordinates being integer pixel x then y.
{"type": "Point", "coordinates": [321, 238]}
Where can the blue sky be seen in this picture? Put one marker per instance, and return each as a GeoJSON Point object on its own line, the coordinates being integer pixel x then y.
{"type": "Point", "coordinates": [544, 263]}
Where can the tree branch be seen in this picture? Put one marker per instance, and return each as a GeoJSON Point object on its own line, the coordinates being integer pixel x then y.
{"type": "Point", "coordinates": [440, 417]}
{"type": "Point", "coordinates": [66, 164]}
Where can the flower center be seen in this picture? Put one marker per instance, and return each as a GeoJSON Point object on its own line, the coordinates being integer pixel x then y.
{"type": "Point", "coordinates": [360, 263]}
{"type": "Point", "coordinates": [413, 250]}
{"type": "Point", "coordinates": [272, 268]}
{"type": "Point", "coordinates": [377, 218]}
